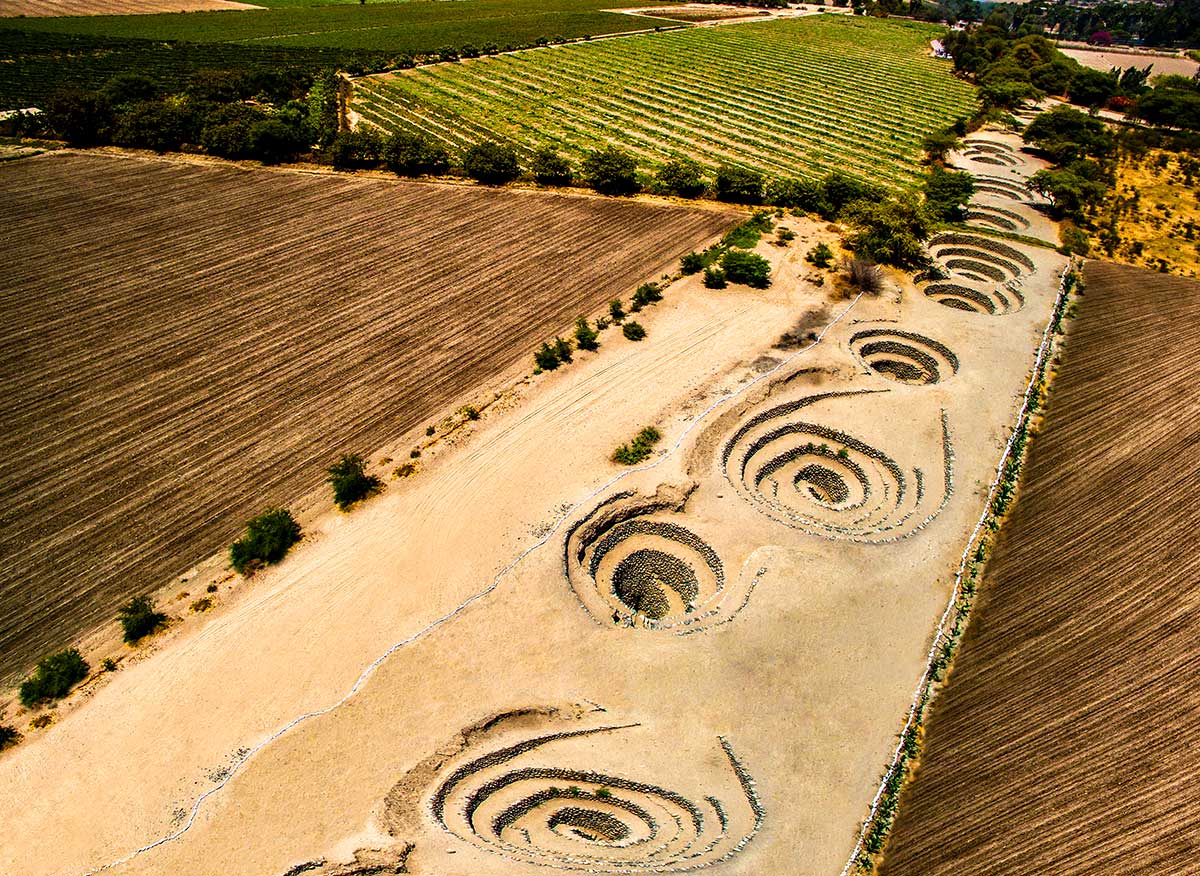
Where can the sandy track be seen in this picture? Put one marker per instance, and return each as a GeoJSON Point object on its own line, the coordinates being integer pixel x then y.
{"type": "Point", "coordinates": [47, 8]}
{"type": "Point", "coordinates": [216, 336]}
{"type": "Point", "coordinates": [1065, 740]}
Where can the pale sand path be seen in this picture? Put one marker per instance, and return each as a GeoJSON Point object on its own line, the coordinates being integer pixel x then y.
{"type": "Point", "coordinates": [808, 683]}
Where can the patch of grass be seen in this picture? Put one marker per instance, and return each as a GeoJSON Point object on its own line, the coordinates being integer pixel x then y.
{"type": "Point", "coordinates": [268, 538]}
{"type": "Point", "coordinates": [54, 677]}
{"type": "Point", "coordinates": [139, 618]}
{"type": "Point", "coordinates": [639, 449]}
{"type": "Point", "coordinates": [749, 233]}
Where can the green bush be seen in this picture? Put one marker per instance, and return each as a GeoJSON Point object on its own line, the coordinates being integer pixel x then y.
{"type": "Point", "coordinates": [356, 149]}
{"type": "Point", "coordinates": [139, 619]}
{"type": "Point", "coordinates": [616, 311]}
{"type": "Point", "coordinates": [747, 268]}
{"type": "Point", "coordinates": [647, 293]}
{"type": "Point", "coordinates": [890, 232]}
{"type": "Point", "coordinates": [820, 255]}
{"type": "Point", "coordinates": [633, 331]}
{"type": "Point", "coordinates": [350, 481]}
{"type": "Point", "coordinates": [492, 163]}
{"type": "Point", "coordinates": [54, 677]}
{"type": "Point", "coordinates": [586, 336]}
{"type": "Point", "coordinates": [739, 185]}
{"type": "Point", "coordinates": [692, 263]}
{"type": "Point", "coordinates": [8, 736]}
{"type": "Point", "coordinates": [549, 168]}
{"type": "Point", "coordinates": [714, 278]}
{"type": "Point", "coordinates": [747, 234]}
{"type": "Point", "coordinates": [611, 171]}
{"type": "Point", "coordinates": [562, 349]}
{"type": "Point", "coordinates": [639, 449]}
{"type": "Point", "coordinates": [268, 538]}
{"type": "Point", "coordinates": [415, 155]}
{"type": "Point", "coordinates": [545, 357]}
{"type": "Point", "coordinates": [682, 177]}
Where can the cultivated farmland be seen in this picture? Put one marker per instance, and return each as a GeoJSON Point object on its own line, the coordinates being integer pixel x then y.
{"type": "Point", "coordinates": [827, 92]}
{"type": "Point", "coordinates": [113, 7]}
{"type": "Point", "coordinates": [1066, 739]}
{"type": "Point", "coordinates": [184, 345]}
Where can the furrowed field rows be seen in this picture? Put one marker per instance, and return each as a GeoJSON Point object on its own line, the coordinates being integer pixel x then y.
{"type": "Point", "coordinates": [185, 345]}
{"type": "Point", "coordinates": [798, 97]}
{"type": "Point", "coordinates": [1066, 738]}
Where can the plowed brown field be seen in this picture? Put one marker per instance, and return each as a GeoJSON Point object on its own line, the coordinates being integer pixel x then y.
{"type": "Point", "coordinates": [42, 8]}
{"type": "Point", "coordinates": [182, 345]}
{"type": "Point", "coordinates": [1067, 739]}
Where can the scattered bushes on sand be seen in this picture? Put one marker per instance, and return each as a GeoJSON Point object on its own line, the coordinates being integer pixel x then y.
{"type": "Point", "coordinates": [545, 358]}
{"type": "Point", "coordinates": [139, 618]}
{"type": "Point", "coordinates": [645, 294]}
{"type": "Point", "coordinates": [8, 736]}
{"type": "Point", "coordinates": [639, 448]}
{"type": "Point", "coordinates": [863, 274]}
{"type": "Point", "coordinates": [562, 349]}
{"type": "Point", "coordinates": [633, 331]}
{"type": "Point", "coordinates": [268, 538]}
{"type": "Point", "coordinates": [820, 255]}
{"type": "Point", "coordinates": [714, 278]}
{"type": "Point", "coordinates": [108, 665]}
{"type": "Point", "coordinates": [586, 337]}
{"type": "Point", "coordinates": [405, 470]}
{"type": "Point", "coordinates": [746, 268]}
{"type": "Point", "coordinates": [54, 677]}
{"type": "Point", "coordinates": [201, 605]}
{"type": "Point", "coordinates": [616, 311]}
{"type": "Point", "coordinates": [350, 481]}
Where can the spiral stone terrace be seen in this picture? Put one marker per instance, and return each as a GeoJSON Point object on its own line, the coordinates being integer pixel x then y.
{"type": "Point", "coordinates": [996, 217]}
{"type": "Point", "coordinates": [997, 301]}
{"type": "Point", "coordinates": [906, 357]}
{"type": "Point", "coordinates": [517, 803]}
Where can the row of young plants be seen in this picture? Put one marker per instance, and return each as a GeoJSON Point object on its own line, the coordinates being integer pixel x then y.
{"type": "Point", "coordinates": [876, 829]}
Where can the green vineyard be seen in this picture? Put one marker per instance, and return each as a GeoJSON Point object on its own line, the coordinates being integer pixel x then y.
{"type": "Point", "coordinates": [789, 98]}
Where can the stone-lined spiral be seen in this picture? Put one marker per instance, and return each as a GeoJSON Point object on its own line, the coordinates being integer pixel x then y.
{"type": "Point", "coordinates": [997, 186]}
{"type": "Point", "coordinates": [989, 146]}
{"type": "Point", "coordinates": [827, 482]}
{"type": "Point", "coordinates": [987, 156]}
{"type": "Point", "coordinates": [996, 217]}
{"type": "Point", "coordinates": [635, 569]}
{"type": "Point", "coordinates": [995, 301]}
{"type": "Point", "coordinates": [523, 803]}
{"type": "Point", "coordinates": [906, 357]}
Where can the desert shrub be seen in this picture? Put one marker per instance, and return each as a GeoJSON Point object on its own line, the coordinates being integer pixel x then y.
{"type": "Point", "coordinates": [611, 171]}
{"type": "Point", "coordinates": [682, 177]}
{"type": "Point", "coordinates": [268, 538]}
{"type": "Point", "coordinates": [616, 311]}
{"type": "Point", "coordinates": [8, 736]}
{"type": "Point", "coordinates": [633, 331]}
{"type": "Point", "coordinates": [784, 236]}
{"type": "Point", "coordinates": [405, 470]}
{"type": "Point", "coordinates": [54, 677]}
{"type": "Point", "coordinates": [739, 185]}
{"type": "Point", "coordinates": [691, 263]}
{"type": "Point", "coordinates": [109, 665]}
{"type": "Point", "coordinates": [820, 255]}
{"type": "Point", "coordinates": [211, 588]}
{"type": "Point", "coordinates": [1073, 240]}
{"type": "Point", "coordinates": [415, 453]}
{"type": "Point", "coordinates": [201, 605]}
{"type": "Point", "coordinates": [562, 349]}
{"type": "Point", "coordinates": [890, 232]}
{"type": "Point", "coordinates": [350, 481]}
{"type": "Point", "coordinates": [549, 168]}
{"type": "Point", "coordinates": [747, 268]}
{"type": "Point", "coordinates": [647, 293]}
{"type": "Point", "coordinates": [470, 412]}
{"type": "Point", "coordinates": [139, 618]}
{"type": "Point", "coordinates": [545, 357]}
{"type": "Point", "coordinates": [586, 337]}
{"type": "Point", "coordinates": [415, 155]}
{"type": "Point", "coordinates": [492, 163]}
{"type": "Point", "coordinates": [863, 274]}
{"type": "Point", "coordinates": [714, 278]}
{"type": "Point", "coordinates": [639, 448]}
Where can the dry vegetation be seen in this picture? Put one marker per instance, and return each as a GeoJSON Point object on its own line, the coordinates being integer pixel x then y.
{"type": "Point", "coordinates": [185, 345]}
{"type": "Point", "coordinates": [42, 8]}
{"type": "Point", "coordinates": [1064, 742]}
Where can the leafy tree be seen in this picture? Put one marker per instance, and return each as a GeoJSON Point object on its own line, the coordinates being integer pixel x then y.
{"type": "Point", "coordinates": [492, 163]}
{"type": "Point", "coordinates": [226, 130]}
{"type": "Point", "coordinates": [157, 125]}
{"type": "Point", "coordinates": [682, 177]}
{"type": "Point", "coordinates": [139, 618]}
{"type": "Point", "coordinates": [1054, 77]}
{"type": "Point", "coordinates": [947, 192]}
{"type": "Point", "coordinates": [938, 144]}
{"type": "Point", "coordinates": [273, 141]}
{"type": "Point", "coordinates": [839, 190]}
{"type": "Point", "coordinates": [1072, 190]}
{"type": "Point", "coordinates": [820, 255]}
{"type": "Point", "coordinates": [746, 268]}
{"type": "Point", "coordinates": [1092, 88]}
{"type": "Point", "coordinates": [415, 155]}
{"type": "Point", "coordinates": [586, 337]}
{"type": "Point", "coordinates": [550, 168]}
{"type": "Point", "coordinates": [54, 677]}
{"type": "Point", "coordinates": [127, 88]}
{"type": "Point", "coordinates": [1065, 134]}
{"type": "Point", "coordinates": [545, 357]}
{"type": "Point", "coordinates": [615, 310]}
{"type": "Point", "coordinates": [1174, 102]}
{"type": "Point", "coordinates": [739, 185]}
{"type": "Point", "coordinates": [714, 278]}
{"type": "Point", "coordinates": [268, 538]}
{"type": "Point", "coordinates": [447, 53]}
{"type": "Point", "coordinates": [350, 481]}
{"type": "Point", "coordinates": [362, 148]}
{"type": "Point", "coordinates": [890, 232]}
{"type": "Point", "coordinates": [562, 349]}
{"type": "Point", "coordinates": [647, 293]}
{"type": "Point", "coordinates": [633, 331]}
{"type": "Point", "coordinates": [82, 118]}
{"type": "Point", "coordinates": [611, 171]}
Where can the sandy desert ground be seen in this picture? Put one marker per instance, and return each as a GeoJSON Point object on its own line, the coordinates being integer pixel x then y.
{"type": "Point", "coordinates": [453, 667]}
{"type": "Point", "coordinates": [1065, 739]}
{"type": "Point", "coordinates": [1162, 64]}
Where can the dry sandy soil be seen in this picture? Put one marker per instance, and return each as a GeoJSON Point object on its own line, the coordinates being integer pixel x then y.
{"type": "Point", "coordinates": [1066, 739]}
{"type": "Point", "coordinates": [184, 345]}
{"type": "Point", "coordinates": [1101, 60]}
{"type": "Point", "coordinates": [453, 665]}
{"type": "Point", "coordinates": [49, 8]}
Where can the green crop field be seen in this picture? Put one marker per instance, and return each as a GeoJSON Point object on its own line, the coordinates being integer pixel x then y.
{"type": "Point", "coordinates": [797, 97]}
{"type": "Point", "coordinates": [415, 26]}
